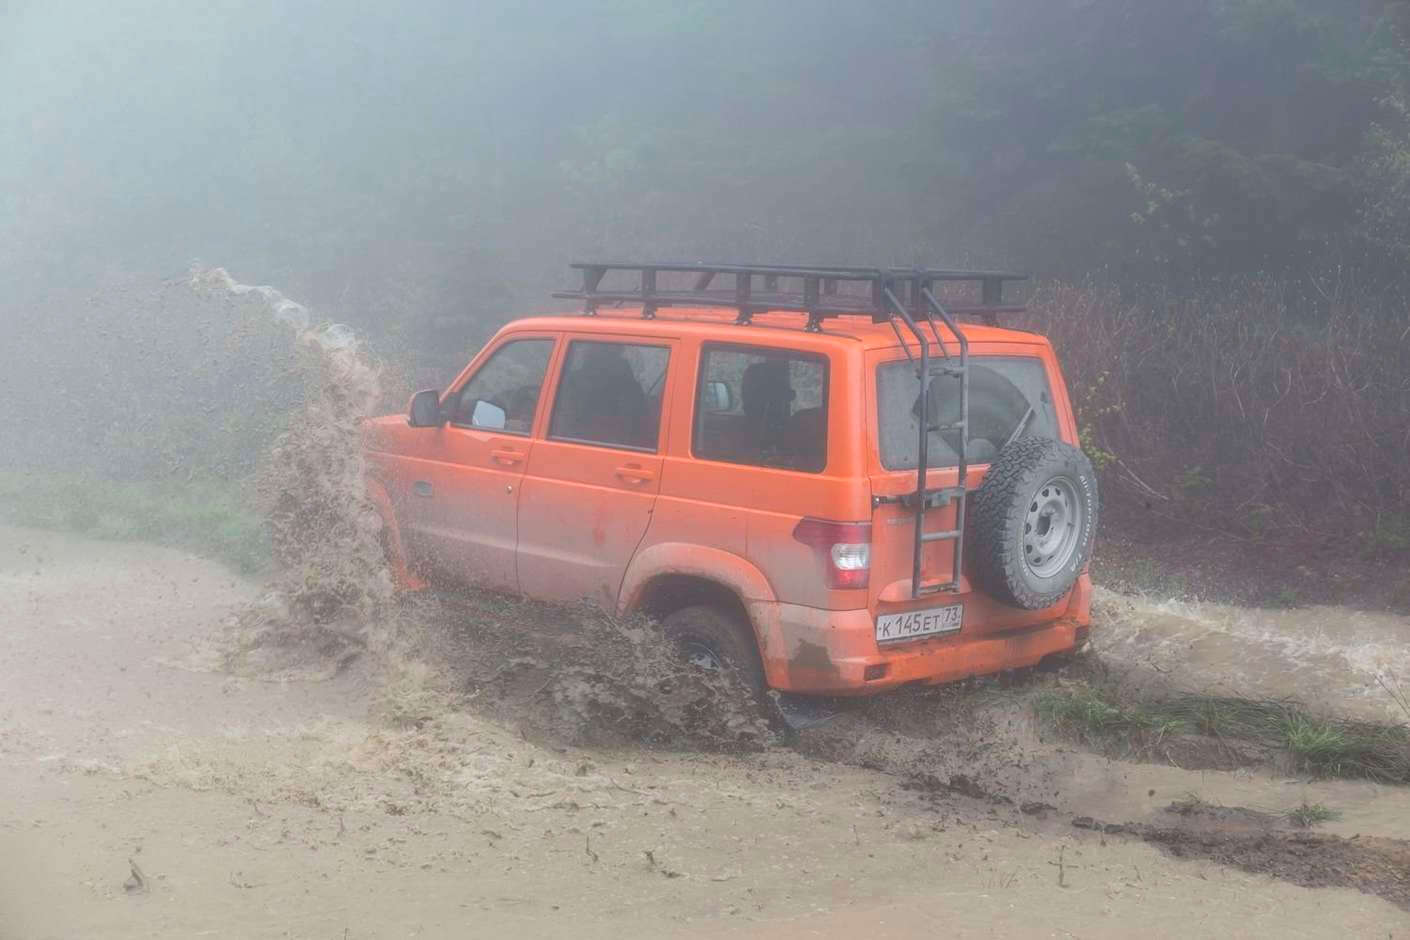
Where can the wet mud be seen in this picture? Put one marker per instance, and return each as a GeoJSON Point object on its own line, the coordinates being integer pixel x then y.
{"type": "Point", "coordinates": [1260, 843]}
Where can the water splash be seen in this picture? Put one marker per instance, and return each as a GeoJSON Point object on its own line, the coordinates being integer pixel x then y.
{"type": "Point", "coordinates": [331, 582]}
{"type": "Point", "coordinates": [574, 675]}
{"type": "Point", "coordinates": [281, 308]}
{"type": "Point", "coordinates": [1331, 657]}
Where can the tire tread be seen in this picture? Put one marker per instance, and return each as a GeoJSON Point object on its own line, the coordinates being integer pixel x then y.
{"type": "Point", "coordinates": [996, 511]}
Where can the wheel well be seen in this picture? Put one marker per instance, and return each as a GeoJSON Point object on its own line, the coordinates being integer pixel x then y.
{"type": "Point", "coordinates": [668, 593]}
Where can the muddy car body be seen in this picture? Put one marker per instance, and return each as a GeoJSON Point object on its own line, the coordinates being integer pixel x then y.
{"type": "Point", "coordinates": [755, 478]}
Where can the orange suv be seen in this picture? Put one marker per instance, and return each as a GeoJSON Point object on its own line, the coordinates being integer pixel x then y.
{"type": "Point", "coordinates": [815, 476]}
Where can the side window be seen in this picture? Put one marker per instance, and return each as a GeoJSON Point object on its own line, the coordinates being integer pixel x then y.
{"type": "Point", "coordinates": [610, 393]}
{"type": "Point", "coordinates": [504, 393]}
{"type": "Point", "coordinates": [762, 407]}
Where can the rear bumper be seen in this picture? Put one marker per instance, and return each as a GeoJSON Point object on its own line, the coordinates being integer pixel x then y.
{"type": "Point", "coordinates": [834, 652]}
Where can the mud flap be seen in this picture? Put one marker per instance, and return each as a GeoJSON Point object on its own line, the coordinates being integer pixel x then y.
{"type": "Point", "coordinates": [801, 712]}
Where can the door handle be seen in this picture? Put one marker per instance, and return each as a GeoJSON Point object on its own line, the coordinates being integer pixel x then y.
{"type": "Point", "coordinates": [634, 473]}
{"type": "Point", "coordinates": [507, 458]}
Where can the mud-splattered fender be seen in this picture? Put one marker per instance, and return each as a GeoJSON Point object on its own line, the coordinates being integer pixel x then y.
{"type": "Point", "coordinates": [1079, 604]}
{"type": "Point", "coordinates": [402, 575]}
{"type": "Point", "coordinates": [727, 569]}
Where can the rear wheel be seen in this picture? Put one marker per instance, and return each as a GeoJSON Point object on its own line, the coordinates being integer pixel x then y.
{"type": "Point", "coordinates": [711, 638]}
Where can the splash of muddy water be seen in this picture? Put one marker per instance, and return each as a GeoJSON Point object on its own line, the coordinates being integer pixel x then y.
{"type": "Point", "coordinates": [1345, 661]}
{"type": "Point", "coordinates": [330, 589]}
{"type": "Point", "coordinates": [571, 674]}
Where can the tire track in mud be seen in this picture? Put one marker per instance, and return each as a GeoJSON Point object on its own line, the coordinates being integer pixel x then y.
{"type": "Point", "coordinates": [1224, 835]}
{"type": "Point", "coordinates": [1239, 839]}
{"type": "Point", "coordinates": [986, 747]}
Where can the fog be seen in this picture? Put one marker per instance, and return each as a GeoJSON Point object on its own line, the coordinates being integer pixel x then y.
{"type": "Point", "coordinates": [424, 174]}
{"type": "Point", "coordinates": [441, 163]}
{"type": "Point", "coordinates": [448, 159]}
{"type": "Point", "coordinates": [230, 232]}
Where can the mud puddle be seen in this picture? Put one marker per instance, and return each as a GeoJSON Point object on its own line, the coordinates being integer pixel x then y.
{"type": "Point", "coordinates": [573, 678]}
{"type": "Point", "coordinates": [1246, 820]}
{"type": "Point", "coordinates": [1333, 658]}
{"type": "Point", "coordinates": [1258, 842]}
{"type": "Point", "coordinates": [399, 795]}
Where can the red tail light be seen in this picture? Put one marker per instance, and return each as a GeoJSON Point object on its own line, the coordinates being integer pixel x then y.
{"type": "Point", "coordinates": [843, 548]}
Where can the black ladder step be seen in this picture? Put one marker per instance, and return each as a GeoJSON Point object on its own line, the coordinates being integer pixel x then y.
{"type": "Point", "coordinates": [937, 588]}
{"type": "Point", "coordinates": [957, 426]}
{"type": "Point", "coordinates": [940, 536]}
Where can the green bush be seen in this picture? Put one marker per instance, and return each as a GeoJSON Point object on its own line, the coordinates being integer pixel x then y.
{"type": "Point", "coordinates": [212, 518]}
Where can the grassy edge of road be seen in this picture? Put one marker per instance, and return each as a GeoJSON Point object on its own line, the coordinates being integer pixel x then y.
{"type": "Point", "coordinates": [1100, 716]}
{"type": "Point", "coordinates": [211, 518]}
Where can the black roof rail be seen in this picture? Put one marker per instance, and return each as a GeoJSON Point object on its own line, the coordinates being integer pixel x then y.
{"type": "Point", "coordinates": [815, 290]}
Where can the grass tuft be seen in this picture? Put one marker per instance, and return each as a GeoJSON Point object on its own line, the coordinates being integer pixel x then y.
{"type": "Point", "coordinates": [1339, 748]}
{"type": "Point", "coordinates": [1094, 715]}
{"type": "Point", "coordinates": [1325, 746]}
{"type": "Point", "coordinates": [1311, 814]}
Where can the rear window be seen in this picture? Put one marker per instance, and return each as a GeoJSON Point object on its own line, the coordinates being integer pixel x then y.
{"type": "Point", "coordinates": [1008, 399]}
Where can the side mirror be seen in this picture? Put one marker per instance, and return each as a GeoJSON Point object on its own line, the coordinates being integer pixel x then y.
{"type": "Point", "coordinates": [716, 396]}
{"type": "Point", "coordinates": [425, 410]}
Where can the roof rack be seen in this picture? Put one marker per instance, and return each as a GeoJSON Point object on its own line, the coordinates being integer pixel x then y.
{"type": "Point", "coordinates": [815, 290]}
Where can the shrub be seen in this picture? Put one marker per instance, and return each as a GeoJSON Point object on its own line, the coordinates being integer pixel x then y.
{"type": "Point", "coordinates": [1258, 410]}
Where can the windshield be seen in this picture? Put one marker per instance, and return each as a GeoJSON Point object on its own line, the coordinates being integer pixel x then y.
{"type": "Point", "coordinates": [1008, 398]}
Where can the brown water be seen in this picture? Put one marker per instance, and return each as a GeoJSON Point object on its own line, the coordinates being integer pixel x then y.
{"type": "Point", "coordinates": [1342, 660]}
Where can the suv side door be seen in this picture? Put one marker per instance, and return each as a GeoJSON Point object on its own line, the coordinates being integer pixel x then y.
{"type": "Point", "coordinates": [464, 484]}
{"type": "Point", "coordinates": [594, 475]}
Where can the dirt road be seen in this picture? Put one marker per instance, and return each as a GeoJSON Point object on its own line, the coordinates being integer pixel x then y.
{"type": "Point", "coordinates": [145, 792]}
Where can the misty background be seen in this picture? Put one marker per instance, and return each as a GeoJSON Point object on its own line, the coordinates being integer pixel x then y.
{"type": "Point", "coordinates": [1214, 196]}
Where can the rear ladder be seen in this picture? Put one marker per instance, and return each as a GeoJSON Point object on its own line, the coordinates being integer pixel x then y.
{"type": "Point", "coordinates": [924, 305]}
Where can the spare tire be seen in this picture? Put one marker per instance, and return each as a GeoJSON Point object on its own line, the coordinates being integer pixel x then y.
{"type": "Point", "coordinates": [1030, 525]}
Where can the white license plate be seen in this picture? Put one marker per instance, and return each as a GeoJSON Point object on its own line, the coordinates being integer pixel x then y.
{"type": "Point", "coordinates": [919, 623]}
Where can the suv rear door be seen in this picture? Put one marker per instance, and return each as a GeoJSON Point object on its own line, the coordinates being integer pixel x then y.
{"type": "Point", "coordinates": [593, 477]}
{"type": "Point", "coordinates": [1006, 381]}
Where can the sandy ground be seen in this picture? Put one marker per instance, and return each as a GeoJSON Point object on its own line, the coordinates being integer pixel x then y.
{"type": "Point", "coordinates": [146, 793]}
